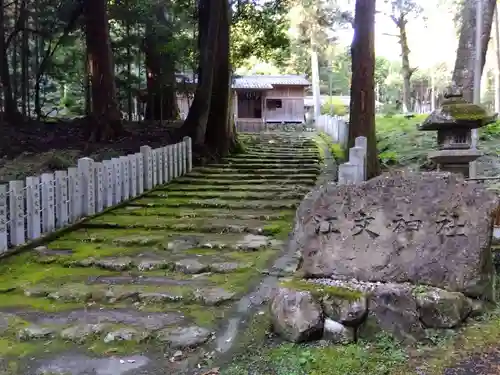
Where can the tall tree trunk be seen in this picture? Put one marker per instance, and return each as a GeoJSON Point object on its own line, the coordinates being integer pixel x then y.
{"type": "Point", "coordinates": [362, 106]}
{"type": "Point", "coordinates": [161, 102]}
{"type": "Point", "coordinates": [24, 61]}
{"type": "Point", "coordinates": [106, 117]}
{"type": "Point", "coordinates": [195, 125]}
{"type": "Point", "coordinates": [497, 61]}
{"type": "Point", "coordinates": [406, 69]}
{"type": "Point", "coordinates": [10, 107]}
{"type": "Point", "coordinates": [463, 74]}
{"type": "Point", "coordinates": [220, 137]}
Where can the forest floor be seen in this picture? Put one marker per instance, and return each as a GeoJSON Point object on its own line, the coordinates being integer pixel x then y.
{"type": "Point", "coordinates": [36, 147]}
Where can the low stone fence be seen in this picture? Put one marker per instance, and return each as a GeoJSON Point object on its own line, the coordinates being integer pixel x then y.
{"type": "Point", "coordinates": [335, 126]}
{"type": "Point", "coordinates": [40, 205]}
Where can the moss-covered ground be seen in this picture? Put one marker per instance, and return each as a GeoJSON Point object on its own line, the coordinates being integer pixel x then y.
{"type": "Point", "coordinates": [180, 256]}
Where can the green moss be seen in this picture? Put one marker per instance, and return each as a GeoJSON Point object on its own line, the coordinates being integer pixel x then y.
{"type": "Point", "coordinates": [237, 282]}
{"type": "Point", "coordinates": [459, 109]}
{"type": "Point", "coordinates": [10, 347]}
{"type": "Point", "coordinates": [322, 291]}
{"type": "Point", "coordinates": [277, 228]}
{"type": "Point", "coordinates": [19, 300]}
{"type": "Point", "coordinates": [24, 270]}
{"type": "Point", "coordinates": [337, 152]}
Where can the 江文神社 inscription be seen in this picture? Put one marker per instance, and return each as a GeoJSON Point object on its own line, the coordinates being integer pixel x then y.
{"type": "Point", "coordinates": [450, 224]}
{"type": "Point", "coordinates": [404, 223]}
{"type": "Point", "coordinates": [435, 230]}
{"type": "Point", "coordinates": [363, 224]}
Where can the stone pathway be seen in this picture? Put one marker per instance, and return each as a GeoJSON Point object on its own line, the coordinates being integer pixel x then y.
{"type": "Point", "coordinates": [156, 286]}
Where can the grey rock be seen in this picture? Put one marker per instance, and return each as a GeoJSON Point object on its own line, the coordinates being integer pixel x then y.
{"type": "Point", "coordinates": [213, 296]}
{"type": "Point", "coordinates": [392, 309]}
{"type": "Point", "coordinates": [77, 364]}
{"type": "Point", "coordinates": [190, 266]}
{"type": "Point", "coordinates": [439, 308]}
{"type": "Point", "coordinates": [227, 267]}
{"type": "Point", "coordinates": [34, 332]}
{"type": "Point", "coordinates": [138, 240]}
{"type": "Point", "coordinates": [88, 262]}
{"type": "Point", "coordinates": [337, 333]}
{"type": "Point", "coordinates": [121, 293]}
{"type": "Point", "coordinates": [38, 291]}
{"type": "Point", "coordinates": [253, 242]}
{"type": "Point", "coordinates": [477, 307]}
{"type": "Point", "coordinates": [346, 312]}
{"type": "Point", "coordinates": [125, 334]}
{"type": "Point", "coordinates": [71, 293]}
{"type": "Point", "coordinates": [183, 243]}
{"type": "Point", "coordinates": [157, 297]}
{"type": "Point", "coordinates": [79, 333]}
{"type": "Point", "coordinates": [429, 228]}
{"type": "Point", "coordinates": [114, 264]}
{"type": "Point", "coordinates": [295, 315]}
{"type": "Point", "coordinates": [183, 337]}
{"type": "Point", "coordinates": [152, 264]}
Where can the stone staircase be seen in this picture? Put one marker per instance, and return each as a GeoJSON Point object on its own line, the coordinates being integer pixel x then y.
{"type": "Point", "coordinates": [149, 285]}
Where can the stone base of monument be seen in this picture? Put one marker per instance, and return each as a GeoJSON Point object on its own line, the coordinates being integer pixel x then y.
{"type": "Point", "coordinates": [401, 253]}
{"type": "Point", "coordinates": [344, 311]}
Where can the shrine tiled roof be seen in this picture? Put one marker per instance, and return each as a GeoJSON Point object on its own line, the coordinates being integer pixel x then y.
{"type": "Point", "coordinates": [265, 82]}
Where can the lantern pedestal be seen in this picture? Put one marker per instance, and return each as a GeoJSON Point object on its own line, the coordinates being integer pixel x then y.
{"type": "Point", "coordinates": [454, 161]}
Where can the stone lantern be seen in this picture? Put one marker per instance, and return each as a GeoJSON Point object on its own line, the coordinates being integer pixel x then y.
{"type": "Point", "coordinates": [454, 120]}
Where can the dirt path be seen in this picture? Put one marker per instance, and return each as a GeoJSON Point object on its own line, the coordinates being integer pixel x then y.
{"type": "Point", "coordinates": [160, 285]}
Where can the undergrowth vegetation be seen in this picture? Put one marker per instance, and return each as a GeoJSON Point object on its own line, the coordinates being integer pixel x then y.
{"type": "Point", "coordinates": [400, 144]}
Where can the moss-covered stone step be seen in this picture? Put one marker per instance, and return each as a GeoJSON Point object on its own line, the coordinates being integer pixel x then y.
{"type": "Point", "coordinates": [197, 225]}
{"type": "Point", "coordinates": [209, 180]}
{"type": "Point", "coordinates": [281, 156]}
{"type": "Point", "coordinates": [265, 165]}
{"type": "Point", "coordinates": [214, 203]}
{"type": "Point", "coordinates": [84, 243]}
{"type": "Point", "coordinates": [206, 213]}
{"type": "Point", "coordinates": [258, 158]}
{"type": "Point", "coordinates": [144, 294]}
{"type": "Point", "coordinates": [250, 176]}
{"type": "Point", "coordinates": [276, 147]}
{"type": "Point", "coordinates": [262, 172]}
{"type": "Point", "coordinates": [142, 253]}
{"type": "Point", "coordinates": [268, 149]}
{"type": "Point", "coordinates": [229, 195]}
{"type": "Point", "coordinates": [107, 327]}
{"type": "Point", "coordinates": [279, 151]}
{"type": "Point", "coordinates": [243, 187]}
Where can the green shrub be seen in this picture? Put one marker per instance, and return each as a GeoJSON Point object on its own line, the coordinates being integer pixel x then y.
{"type": "Point", "coordinates": [337, 152]}
{"type": "Point", "coordinates": [334, 106]}
{"type": "Point", "coordinates": [400, 143]}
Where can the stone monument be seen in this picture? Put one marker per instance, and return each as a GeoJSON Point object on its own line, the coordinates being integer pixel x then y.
{"type": "Point", "coordinates": [409, 251]}
{"type": "Point", "coordinates": [454, 120]}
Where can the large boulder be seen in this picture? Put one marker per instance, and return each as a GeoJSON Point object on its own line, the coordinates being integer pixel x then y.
{"type": "Point", "coordinates": [439, 308]}
{"type": "Point", "coordinates": [393, 310]}
{"type": "Point", "coordinates": [429, 229]}
{"type": "Point", "coordinates": [296, 315]}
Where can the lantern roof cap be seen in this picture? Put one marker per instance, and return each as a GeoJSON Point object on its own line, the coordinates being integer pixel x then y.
{"type": "Point", "coordinates": [457, 113]}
